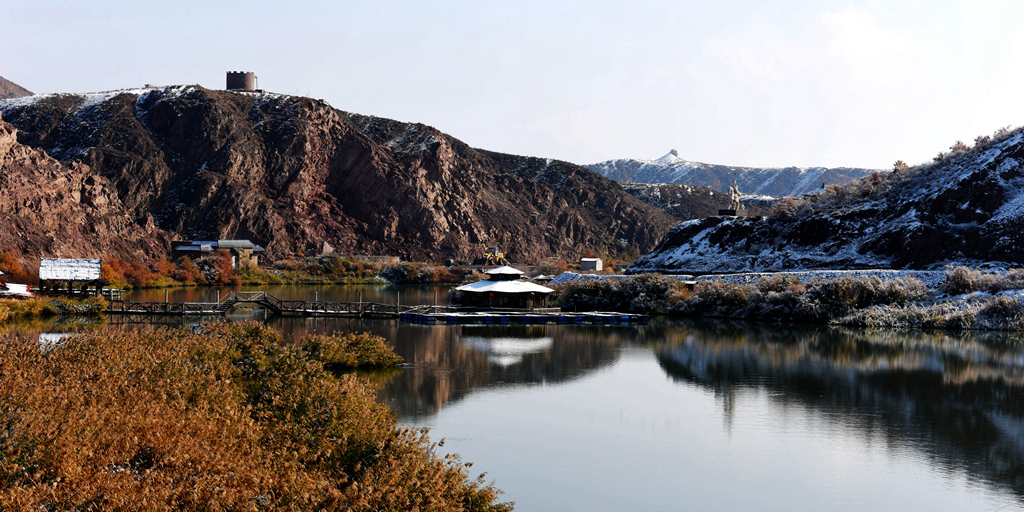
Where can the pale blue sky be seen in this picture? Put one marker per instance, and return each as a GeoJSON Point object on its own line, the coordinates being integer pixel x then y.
{"type": "Point", "coordinates": [825, 82]}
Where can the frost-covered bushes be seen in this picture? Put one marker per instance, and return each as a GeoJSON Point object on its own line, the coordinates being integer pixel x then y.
{"type": "Point", "coordinates": [641, 293]}
{"type": "Point", "coordinates": [960, 280]}
{"type": "Point", "coordinates": [866, 301]}
{"type": "Point", "coordinates": [839, 296]}
{"type": "Point", "coordinates": [965, 280]}
{"type": "Point", "coordinates": [787, 299]}
{"type": "Point", "coordinates": [992, 313]}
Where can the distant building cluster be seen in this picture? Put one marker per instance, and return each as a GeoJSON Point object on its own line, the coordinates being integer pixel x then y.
{"type": "Point", "coordinates": [240, 250]}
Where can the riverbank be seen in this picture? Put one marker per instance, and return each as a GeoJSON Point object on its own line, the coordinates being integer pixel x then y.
{"type": "Point", "coordinates": [16, 310]}
{"type": "Point", "coordinates": [962, 299]}
{"type": "Point", "coordinates": [327, 269]}
{"type": "Point", "coordinates": [223, 416]}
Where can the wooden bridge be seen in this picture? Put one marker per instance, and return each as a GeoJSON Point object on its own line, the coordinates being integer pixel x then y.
{"type": "Point", "coordinates": [265, 300]}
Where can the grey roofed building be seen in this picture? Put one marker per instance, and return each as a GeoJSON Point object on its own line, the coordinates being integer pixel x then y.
{"type": "Point", "coordinates": [69, 269]}
{"type": "Point", "coordinates": [239, 249]}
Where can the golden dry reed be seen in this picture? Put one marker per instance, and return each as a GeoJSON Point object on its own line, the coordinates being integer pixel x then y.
{"type": "Point", "coordinates": [220, 417]}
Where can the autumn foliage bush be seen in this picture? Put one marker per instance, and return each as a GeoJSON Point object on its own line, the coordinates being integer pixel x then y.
{"type": "Point", "coordinates": [405, 272]}
{"type": "Point", "coordinates": [14, 271]}
{"type": "Point", "coordinates": [219, 417]}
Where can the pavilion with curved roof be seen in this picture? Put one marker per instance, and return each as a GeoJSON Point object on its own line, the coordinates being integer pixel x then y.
{"type": "Point", "coordinates": [503, 289]}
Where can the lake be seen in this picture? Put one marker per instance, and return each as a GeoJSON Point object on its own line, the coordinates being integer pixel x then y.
{"type": "Point", "coordinates": [704, 415]}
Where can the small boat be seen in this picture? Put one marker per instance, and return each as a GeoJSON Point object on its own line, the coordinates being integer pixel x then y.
{"type": "Point", "coordinates": [13, 291]}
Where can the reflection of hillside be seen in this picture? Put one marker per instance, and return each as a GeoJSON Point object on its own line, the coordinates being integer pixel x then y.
{"type": "Point", "coordinates": [451, 361]}
{"type": "Point", "coordinates": [957, 398]}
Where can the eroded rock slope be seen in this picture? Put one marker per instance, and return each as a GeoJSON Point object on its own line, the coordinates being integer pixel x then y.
{"type": "Point", "coordinates": [294, 174]}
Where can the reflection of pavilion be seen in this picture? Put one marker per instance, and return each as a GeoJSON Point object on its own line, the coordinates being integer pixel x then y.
{"type": "Point", "coordinates": [504, 289]}
{"type": "Point", "coordinates": [504, 351]}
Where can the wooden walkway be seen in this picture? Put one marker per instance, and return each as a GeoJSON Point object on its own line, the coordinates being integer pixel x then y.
{"type": "Point", "coordinates": [429, 315]}
{"type": "Point", "coordinates": [261, 299]}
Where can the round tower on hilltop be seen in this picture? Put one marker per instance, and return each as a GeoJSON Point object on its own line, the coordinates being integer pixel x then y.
{"type": "Point", "coordinates": [241, 81]}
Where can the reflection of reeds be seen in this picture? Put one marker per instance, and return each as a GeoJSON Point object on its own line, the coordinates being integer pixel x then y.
{"type": "Point", "coordinates": [957, 359]}
{"type": "Point", "coordinates": [222, 416]}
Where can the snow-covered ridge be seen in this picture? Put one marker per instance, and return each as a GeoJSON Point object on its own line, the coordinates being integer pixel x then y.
{"type": "Point", "coordinates": [967, 209]}
{"type": "Point", "coordinates": [89, 100]}
{"type": "Point", "coordinates": [772, 181]}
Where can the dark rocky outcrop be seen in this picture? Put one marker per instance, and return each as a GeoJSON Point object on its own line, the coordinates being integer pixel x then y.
{"type": "Point", "coordinates": [966, 209]}
{"type": "Point", "coordinates": [293, 173]}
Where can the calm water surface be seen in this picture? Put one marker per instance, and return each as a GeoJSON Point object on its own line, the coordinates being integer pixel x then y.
{"type": "Point", "coordinates": [686, 415]}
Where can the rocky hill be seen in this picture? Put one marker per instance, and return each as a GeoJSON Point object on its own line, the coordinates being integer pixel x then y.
{"type": "Point", "coordinates": [9, 89]}
{"type": "Point", "coordinates": [783, 181]}
{"type": "Point", "coordinates": [296, 175]}
{"type": "Point", "coordinates": [51, 209]}
{"type": "Point", "coordinates": [966, 209]}
{"type": "Point", "coordinates": [687, 202]}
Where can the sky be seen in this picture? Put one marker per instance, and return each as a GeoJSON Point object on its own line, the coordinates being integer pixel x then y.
{"type": "Point", "coordinates": [752, 83]}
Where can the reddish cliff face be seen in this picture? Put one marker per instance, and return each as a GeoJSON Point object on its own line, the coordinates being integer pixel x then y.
{"type": "Point", "coordinates": [9, 89]}
{"type": "Point", "coordinates": [51, 209]}
{"type": "Point", "coordinates": [293, 174]}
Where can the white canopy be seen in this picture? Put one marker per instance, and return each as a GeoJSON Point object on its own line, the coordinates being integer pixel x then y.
{"type": "Point", "coordinates": [505, 270]}
{"type": "Point", "coordinates": [69, 269]}
{"type": "Point", "coordinates": [504, 287]}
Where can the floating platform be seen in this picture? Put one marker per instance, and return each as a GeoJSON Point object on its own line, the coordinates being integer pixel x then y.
{"type": "Point", "coordinates": [524, 318]}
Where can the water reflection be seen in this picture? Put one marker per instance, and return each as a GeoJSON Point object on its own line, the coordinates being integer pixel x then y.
{"type": "Point", "coordinates": [953, 400]}
{"type": "Point", "coordinates": [507, 351]}
{"type": "Point", "coordinates": [957, 398]}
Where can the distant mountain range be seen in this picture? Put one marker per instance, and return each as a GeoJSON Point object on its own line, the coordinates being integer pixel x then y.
{"type": "Point", "coordinates": [966, 209]}
{"type": "Point", "coordinates": [687, 202]}
{"type": "Point", "coordinates": [9, 89]}
{"type": "Point", "coordinates": [782, 181]}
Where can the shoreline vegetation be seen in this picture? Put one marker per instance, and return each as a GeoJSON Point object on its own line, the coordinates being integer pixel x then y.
{"type": "Point", "coordinates": [225, 416]}
{"type": "Point", "coordinates": [217, 270]}
{"type": "Point", "coordinates": [967, 299]}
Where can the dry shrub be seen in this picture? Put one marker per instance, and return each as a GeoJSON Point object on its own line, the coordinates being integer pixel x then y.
{"type": "Point", "coordinates": [641, 293]}
{"type": "Point", "coordinates": [989, 313]}
{"type": "Point", "coordinates": [838, 297]}
{"type": "Point", "coordinates": [223, 417]}
{"type": "Point", "coordinates": [551, 266]}
{"type": "Point", "coordinates": [353, 350]}
{"type": "Point", "coordinates": [961, 280]}
{"type": "Point", "coordinates": [717, 298]}
{"type": "Point", "coordinates": [417, 273]}
{"type": "Point", "coordinates": [787, 207]}
{"type": "Point", "coordinates": [12, 310]}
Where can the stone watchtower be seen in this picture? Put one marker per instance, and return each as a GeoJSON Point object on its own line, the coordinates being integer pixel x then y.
{"type": "Point", "coordinates": [241, 81]}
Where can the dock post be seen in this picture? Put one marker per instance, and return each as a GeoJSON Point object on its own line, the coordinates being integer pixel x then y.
{"type": "Point", "coordinates": [165, 296]}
